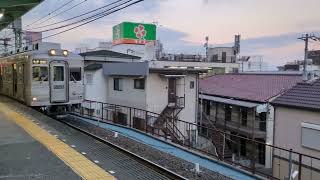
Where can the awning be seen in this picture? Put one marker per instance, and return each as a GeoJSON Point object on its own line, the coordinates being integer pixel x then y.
{"type": "Point", "coordinates": [229, 101]}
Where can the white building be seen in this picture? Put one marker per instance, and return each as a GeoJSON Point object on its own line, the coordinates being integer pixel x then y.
{"type": "Point", "coordinates": [162, 87]}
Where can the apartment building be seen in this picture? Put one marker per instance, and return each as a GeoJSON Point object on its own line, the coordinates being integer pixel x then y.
{"type": "Point", "coordinates": [240, 104]}
{"type": "Point", "coordinates": [161, 87]}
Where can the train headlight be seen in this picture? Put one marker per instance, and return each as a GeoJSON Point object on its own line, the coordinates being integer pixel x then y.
{"type": "Point", "coordinates": [52, 52]}
{"type": "Point", "coordinates": [34, 99]}
{"type": "Point", "coordinates": [65, 52]}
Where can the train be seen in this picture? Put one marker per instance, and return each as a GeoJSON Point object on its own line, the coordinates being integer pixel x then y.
{"type": "Point", "coordinates": [43, 75]}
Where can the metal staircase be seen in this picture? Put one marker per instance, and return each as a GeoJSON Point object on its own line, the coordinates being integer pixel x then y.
{"type": "Point", "coordinates": [168, 124]}
{"type": "Point", "coordinates": [218, 139]}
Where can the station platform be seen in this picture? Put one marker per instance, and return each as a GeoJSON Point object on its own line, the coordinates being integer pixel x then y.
{"type": "Point", "coordinates": [34, 146]}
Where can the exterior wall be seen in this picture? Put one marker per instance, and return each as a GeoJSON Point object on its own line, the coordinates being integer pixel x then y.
{"type": "Point", "coordinates": [188, 113]}
{"type": "Point", "coordinates": [128, 96]}
{"type": "Point", "coordinates": [218, 51]}
{"type": "Point", "coordinates": [287, 134]}
{"type": "Point", "coordinates": [288, 124]}
{"type": "Point", "coordinates": [157, 93]}
{"type": "Point", "coordinates": [99, 83]}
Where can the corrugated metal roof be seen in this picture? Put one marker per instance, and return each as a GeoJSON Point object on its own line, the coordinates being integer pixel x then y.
{"type": "Point", "coordinates": [303, 95]}
{"type": "Point", "coordinates": [251, 87]}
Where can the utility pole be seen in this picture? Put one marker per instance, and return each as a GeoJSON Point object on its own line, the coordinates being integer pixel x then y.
{"type": "Point", "coordinates": [206, 45]}
{"type": "Point", "coordinates": [306, 41]}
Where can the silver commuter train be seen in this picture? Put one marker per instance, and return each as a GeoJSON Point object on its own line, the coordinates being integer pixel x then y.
{"type": "Point", "coordinates": [43, 75]}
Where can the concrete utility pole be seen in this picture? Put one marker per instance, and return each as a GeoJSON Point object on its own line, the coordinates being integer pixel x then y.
{"type": "Point", "coordinates": [306, 40]}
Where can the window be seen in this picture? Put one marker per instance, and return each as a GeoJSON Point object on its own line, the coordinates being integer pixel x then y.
{"type": "Point", "coordinates": [117, 84]}
{"type": "Point", "coordinates": [309, 135]}
{"type": "Point", "coordinates": [40, 73]}
{"type": "Point", "coordinates": [139, 83]}
{"type": "Point", "coordinates": [244, 116]}
{"type": "Point", "coordinates": [75, 74]}
{"type": "Point", "coordinates": [224, 57]}
{"type": "Point", "coordinates": [228, 111]}
{"type": "Point", "coordinates": [89, 78]}
{"type": "Point", "coordinates": [191, 84]}
{"type": "Point", "coordinates": [58, 72]}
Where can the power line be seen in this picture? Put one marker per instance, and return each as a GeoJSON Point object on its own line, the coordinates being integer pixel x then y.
{"type": "Point", "coordinates": [88, 18]}
{"type": "Point", "coordinates": [50, 13]}
{"type": "Point", "coordinates": [83, 14]}
{"type": "Point", "coordinates": [74, 6]}
{"type": "Point", "coordinates": [99, 17]}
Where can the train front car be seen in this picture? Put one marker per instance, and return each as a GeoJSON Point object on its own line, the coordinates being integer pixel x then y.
{"type": "Point", "coordinates": [56, 78]}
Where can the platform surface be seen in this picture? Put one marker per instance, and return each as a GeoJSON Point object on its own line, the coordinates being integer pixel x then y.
{"type": "Point", "coordinates": [22, 157]}
{"type": "Point", "coordinates": [34, 146]}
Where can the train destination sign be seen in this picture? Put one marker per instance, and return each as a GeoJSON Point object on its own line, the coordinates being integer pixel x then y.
{"type": "Point", "coordinates": [133, 33]}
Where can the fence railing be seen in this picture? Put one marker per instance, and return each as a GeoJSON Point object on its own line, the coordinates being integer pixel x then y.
{"type": "Point", "coordinates": [252, 155]}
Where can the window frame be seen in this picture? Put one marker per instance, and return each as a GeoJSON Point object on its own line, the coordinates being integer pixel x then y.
{"type": "Point", "coordinates": [54, 74]}
{"type": "Point", "coordinates": [40, 73]}
{"type": "Point", "coordinates": [70, 75]}
{"type": "Point", "coordinates": [135, 84]}
{"type": "Point", "coordinates": [119, 86]}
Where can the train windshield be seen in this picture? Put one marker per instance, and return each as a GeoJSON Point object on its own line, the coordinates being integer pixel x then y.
{"type": "Point", "coordinates": [75, 74]}
{"type": "Point", "coordinates": [58, 73]}
{"type": "Point", "coordinates": [40, 73]}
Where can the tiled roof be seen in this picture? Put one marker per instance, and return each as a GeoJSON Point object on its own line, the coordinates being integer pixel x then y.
{"type": "Point", "coordinates": [251, 87]}
{"type": "Point", "coordinates": [303, 95]}
{"type": "Point", "coordinates": [108, 53]}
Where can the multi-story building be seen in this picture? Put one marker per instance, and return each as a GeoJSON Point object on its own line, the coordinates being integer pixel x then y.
{"type": "Point", "coordinates": [161, 87]}
{"type": "Point", "coordinates": [240, 104]}
{"type": "Point", "coordinates": [297, 127]}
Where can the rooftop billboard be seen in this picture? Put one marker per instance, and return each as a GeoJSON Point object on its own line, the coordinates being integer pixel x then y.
{"type": "Point", "coordinates": [133, 33]}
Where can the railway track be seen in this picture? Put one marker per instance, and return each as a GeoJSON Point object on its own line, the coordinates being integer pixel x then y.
{"type": "Point", "coordinates": [159, 169]}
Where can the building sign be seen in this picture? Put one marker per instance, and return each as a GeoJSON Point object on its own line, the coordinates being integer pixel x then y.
{"type": "Point", "coordinates": [133, 33]}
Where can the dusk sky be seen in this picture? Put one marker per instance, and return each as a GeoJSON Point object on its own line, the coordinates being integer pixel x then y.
{"type": "Point", "coordinates": [268, 27]}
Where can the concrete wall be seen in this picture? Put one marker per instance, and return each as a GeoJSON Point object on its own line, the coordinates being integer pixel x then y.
{"type": "Point", "coordinates": [97, 90]}
{"type": "Point", "coordinates": [157, 93]}
{"type": "Point", "coordinates": [128, 96]}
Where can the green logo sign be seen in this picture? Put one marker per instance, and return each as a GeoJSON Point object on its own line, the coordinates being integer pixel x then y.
{"type": "Point", "coordinates": [133, 33]}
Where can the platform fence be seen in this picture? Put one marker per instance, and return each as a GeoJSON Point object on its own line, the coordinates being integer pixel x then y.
{"type": "Point", "coordinates": [247, 154]}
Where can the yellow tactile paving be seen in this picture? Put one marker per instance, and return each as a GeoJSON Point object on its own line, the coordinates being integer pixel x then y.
{"type": "Point", "coordinates": [76, 161]}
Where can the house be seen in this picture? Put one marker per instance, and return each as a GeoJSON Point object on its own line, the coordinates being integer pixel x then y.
{"type": "Point", "coordinates": [297, 127]}
{"type": "Point", "coordinates": [161, 87]}
{"type": "Point", "coordinates": [240, 104]}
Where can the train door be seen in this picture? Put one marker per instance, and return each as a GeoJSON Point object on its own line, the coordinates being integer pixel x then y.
{"type": "Point", "coordinates": [1, 78]}
{"type": "Point", "coordinates": [14, 79]}
{"type": "Point", "coordinates": [59, 81]}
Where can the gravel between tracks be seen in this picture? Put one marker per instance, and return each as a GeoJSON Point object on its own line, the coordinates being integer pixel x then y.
{"type": "Point", "coordinates": [166, 160]}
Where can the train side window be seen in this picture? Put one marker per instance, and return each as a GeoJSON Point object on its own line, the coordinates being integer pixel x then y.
{"type": "Point", "coordinates": [75, 74]}
{"type": "Point", "coordinates": [58, 73]}
{"type": "Point", "coordinates": [40, 73]}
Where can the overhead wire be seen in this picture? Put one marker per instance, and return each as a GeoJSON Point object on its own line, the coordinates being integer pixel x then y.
{"type": "Point", "coordinates": [57, 9]}
{"type": "Point", "coordinates": [83, 14]}
{"type": "Point", "coordinates": [72, 7]}
{"type": "Point", "coordinates": [88, 18]}
{"type": "Point", "coordinates": [74, 17]}
{"type": "Point", "coordinates": [92, 20]}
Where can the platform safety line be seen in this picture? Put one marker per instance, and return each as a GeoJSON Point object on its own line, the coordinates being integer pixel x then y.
{"type": "Point", "coordinates": [76, 161]}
